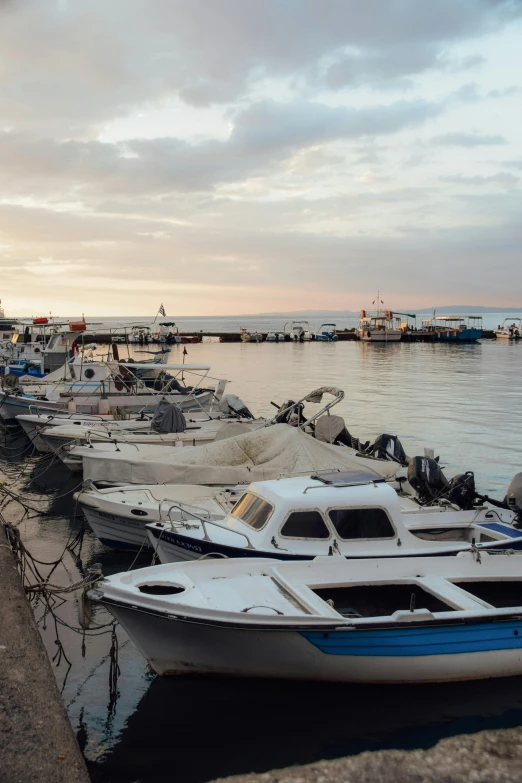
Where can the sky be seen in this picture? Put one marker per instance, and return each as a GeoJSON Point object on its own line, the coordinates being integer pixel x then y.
{"type": "Point", "coordinates": [237, 156]}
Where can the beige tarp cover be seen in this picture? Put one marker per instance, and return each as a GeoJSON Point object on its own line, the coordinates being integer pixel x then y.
{"type": "Point", "coordinates": [327, 428]}
{"type": "Point", "coordinates": [255, 456]}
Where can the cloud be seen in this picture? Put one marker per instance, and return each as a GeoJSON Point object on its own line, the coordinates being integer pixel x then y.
{"type": "Point", "coordinates": [264, 134]}
{"type": "Point", "coordinates": [459, 139]}
{"type": "Point", "coordinates": [92, 62]}
{"type": "Point", "coordinates": [503, 179]}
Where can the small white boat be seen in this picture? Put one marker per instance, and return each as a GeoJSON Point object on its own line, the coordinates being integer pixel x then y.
{"type": "Point", "coordinates": [118, 515]}
{"type": "Point", "coordinates": [275, 337]}
{"type": "Point", "coordinates": [399, 620]}
{"type": "Point", "coordinates": [59, 434]}
{"type": "Point", "coordinates": [250, 337]}
{"type": "Point", "coordinates": [511, 329]}
{"type": "Point", "coordinates": [299, 331]}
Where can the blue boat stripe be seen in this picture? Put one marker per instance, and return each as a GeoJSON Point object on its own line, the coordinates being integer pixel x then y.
{"type": "Point", "coordinates": [504, 529]}
{"type": "Point", "coordinates": [438, 640]}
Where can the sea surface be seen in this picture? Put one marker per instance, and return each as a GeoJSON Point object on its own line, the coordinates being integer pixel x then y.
{"type": "Point", "coordinates": [465, 402]}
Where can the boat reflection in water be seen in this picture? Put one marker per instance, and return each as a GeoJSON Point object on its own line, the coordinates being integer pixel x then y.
{"type": "Point", "coordinates": [255, 725]}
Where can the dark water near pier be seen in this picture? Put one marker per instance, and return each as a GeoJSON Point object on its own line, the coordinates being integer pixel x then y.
{"type": "Point", "coordinates": [463, 401]}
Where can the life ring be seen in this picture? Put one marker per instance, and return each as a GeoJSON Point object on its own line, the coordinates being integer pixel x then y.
{"type": "Point", "coordinates": [10, 382]}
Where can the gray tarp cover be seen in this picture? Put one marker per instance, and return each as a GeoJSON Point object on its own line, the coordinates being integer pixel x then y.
{"type": "Point", "coordinates": [168, 418]}
{"type": "Point", "coordinates": [255, 456]}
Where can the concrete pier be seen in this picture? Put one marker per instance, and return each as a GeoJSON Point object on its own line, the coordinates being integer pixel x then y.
{"type": "Point", "coordinates": [482, 758]}
{"type": "Point", "coordinates": [37, 743]}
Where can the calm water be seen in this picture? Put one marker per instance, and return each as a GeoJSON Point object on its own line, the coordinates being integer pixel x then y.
{"type": "Point", "coordinates": [262, 323]}
{"type": "Point", "coordinates": [463, 401]}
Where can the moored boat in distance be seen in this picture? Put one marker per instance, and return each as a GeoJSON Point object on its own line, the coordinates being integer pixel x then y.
{"type": "Point", "coordinates": [250, 337]}
{"type": "Point", "coordinates": [299, 331]}
{"type": "Point", "coordinates": [458, 328]}
{"type": "Point", "coordinates": [326, 333]}
{"type": "Point", "coordinates": [379, 327]}
{"type": "Point", "coordinates": [511, 329]}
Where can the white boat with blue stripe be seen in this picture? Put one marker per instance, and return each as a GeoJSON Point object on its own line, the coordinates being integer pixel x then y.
{"type": "Point", "coordinates": [378, 621]}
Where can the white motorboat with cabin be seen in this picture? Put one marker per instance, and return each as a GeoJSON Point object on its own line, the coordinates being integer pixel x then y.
{"type": "Point", "coordinates": [394, 620]}
{"type": "Point", "coordinates": [511, 329]}
{"type": "Point", "coordinates": [353, 514]}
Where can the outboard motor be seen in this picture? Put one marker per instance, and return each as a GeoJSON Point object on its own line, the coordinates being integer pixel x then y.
{"type": "Point", "coordinates": [426, 478]}
{"type": "Point", "coordinates": [514, 496]}
{"type": "Point", "coordinates": [389, 447]}
{"type": "Point", "coordinates": [286, 410]}
{"type": "Point", "coordinates": [232, 404]}
{"type": "Point", "coordinates": [461, 490]}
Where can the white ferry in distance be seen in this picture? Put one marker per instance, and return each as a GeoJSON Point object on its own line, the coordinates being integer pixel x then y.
{"type": "Point", "coordinates": [380, 326]}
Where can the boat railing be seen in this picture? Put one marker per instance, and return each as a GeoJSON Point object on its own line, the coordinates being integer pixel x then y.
{"type": "Point", "coordinates": [338, 395]}
{"type": "Point", "coordinates": [185, 507]}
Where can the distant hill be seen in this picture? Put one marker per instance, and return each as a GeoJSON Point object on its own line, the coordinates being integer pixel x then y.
{"type": "Point", "coordinates": [444, 310]}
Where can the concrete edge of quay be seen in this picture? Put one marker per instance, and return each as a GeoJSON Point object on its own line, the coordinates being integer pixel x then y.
{"type": "Point", "coordinates": [486, 757]}
{"type": "Point", "coordinates": [37, 742]}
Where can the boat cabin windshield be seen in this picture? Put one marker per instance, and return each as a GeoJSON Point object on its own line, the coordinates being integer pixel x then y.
{"type": "Point", "coordinates": [353, 523]}
{"type": "Point", "coordinates": [253, 511]}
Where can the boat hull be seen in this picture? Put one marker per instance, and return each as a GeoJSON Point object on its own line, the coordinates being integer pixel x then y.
{"type": "Point", "coordinates": [175, 645]}
{"type": "Point", "coordinates": [12, 405]}
{"type": "Point", "coordinates": [462, 336]}
{"type": "Point", "coordinates": [378, 336]}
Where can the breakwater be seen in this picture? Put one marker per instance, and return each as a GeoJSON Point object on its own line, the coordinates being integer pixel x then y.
{"type": "Point", "coordinates": [347, 335]}
{"type": "Point", "coordinates": [36, 737]}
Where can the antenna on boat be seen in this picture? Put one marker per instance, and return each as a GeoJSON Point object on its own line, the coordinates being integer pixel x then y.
{"type": "Point", "coordinates": [378, 299]}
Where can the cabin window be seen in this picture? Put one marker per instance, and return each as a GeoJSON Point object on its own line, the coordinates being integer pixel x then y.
{"type": "Point", "coordinates": [305, 524]}
{"type": "Point", "coordinates": [353, 523]}
{"type": "Point", "coordinates": [253, 511]}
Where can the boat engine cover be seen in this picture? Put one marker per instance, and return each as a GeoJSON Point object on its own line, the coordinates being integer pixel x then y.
{"type": "Point", "coordinates": [461, 490]}
{"type": "Point", "coordinates": [389, 447]}
{"type": "Point", "coordinates": [230, 403]}
{"type": "Point", "coordinates": [514, 494]}
{"type": "Point", "coordinates": [426, 478]}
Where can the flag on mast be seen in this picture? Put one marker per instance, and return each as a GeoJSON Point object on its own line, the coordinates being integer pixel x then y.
{"type": "Point", "coordinates": [162, 312]}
